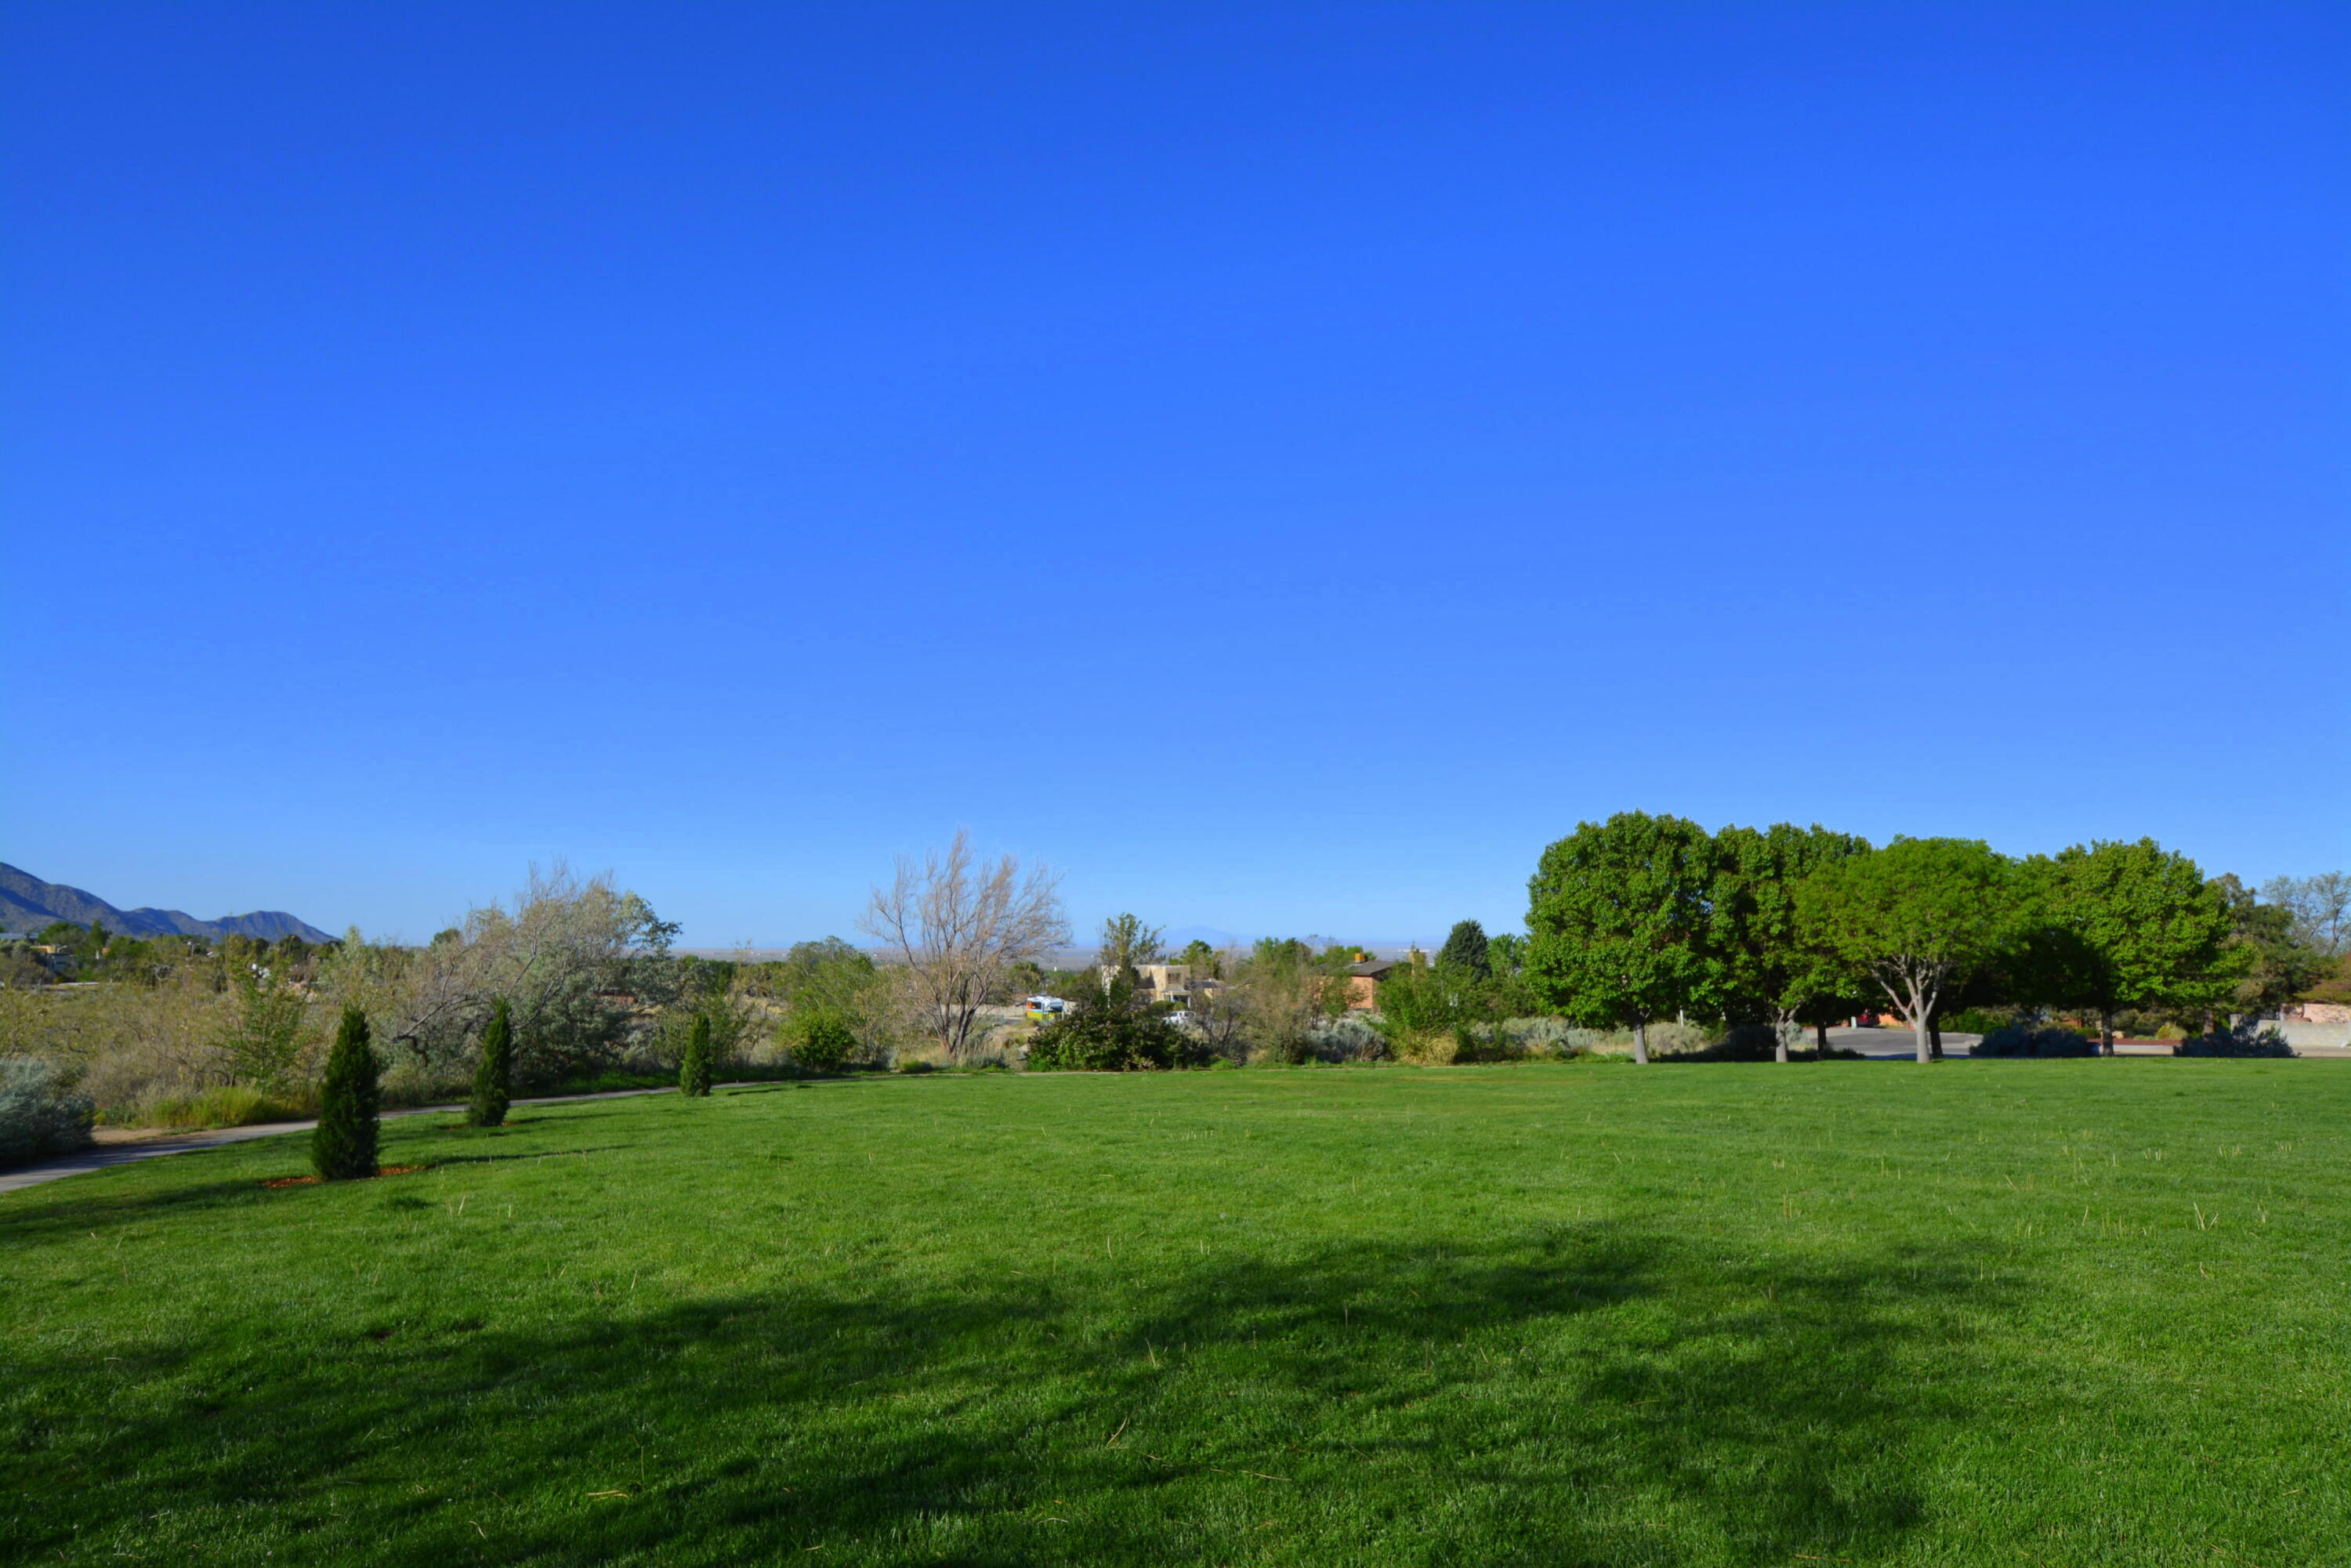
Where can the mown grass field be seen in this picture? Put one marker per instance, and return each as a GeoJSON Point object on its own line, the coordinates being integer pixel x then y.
{"type": "Point", "coordinates": [1995, 1312]}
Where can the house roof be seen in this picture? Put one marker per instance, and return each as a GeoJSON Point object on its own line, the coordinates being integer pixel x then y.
{"type": "Point", "coordinates": [1372, 968]}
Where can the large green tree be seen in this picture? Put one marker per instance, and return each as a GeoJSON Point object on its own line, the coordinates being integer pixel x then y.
{"type": "Point", "coordinates": [2147, 931]}
{"type": "Point", "coordinates": [1465, 950]}
{"type": "Point", "coordinates": [1916, 918]}
{"type": "Point", "coordinates": [1506, 954]}
{"type": "Point", "coordinates": [1616, 920]}
{"type": "Point", "coordinates": [1128, 943]}
{"type": "Point", "coordinates": [2271, 958]}
{"type": "Point", "coordinates": [1763, 969]}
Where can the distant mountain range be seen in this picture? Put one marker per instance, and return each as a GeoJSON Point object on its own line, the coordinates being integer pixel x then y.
{"type": "Point", "coordinates": [27, 903]}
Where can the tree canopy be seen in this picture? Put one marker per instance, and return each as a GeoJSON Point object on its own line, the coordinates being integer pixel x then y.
{"type": "Point", "coordinates": [1128, 943]}
{"type": "Point", "coordinates": [1763, 969]}
{"type": "Point", "coordinates": [1916, 916]}
{"type": "Point", "coordinates": [1617, 919]}
{"type": "Point", "coordinates": [2141, 929]}
{"type": "Point", "coordinates": [1465, 950]}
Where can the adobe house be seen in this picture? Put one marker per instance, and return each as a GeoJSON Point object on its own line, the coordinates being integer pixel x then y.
{"type": "Point", "coordinates": [1363, 978]}
{"type": "Point", "coordinates": [1164, 982]}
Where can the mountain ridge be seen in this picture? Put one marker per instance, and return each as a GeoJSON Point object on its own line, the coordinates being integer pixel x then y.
{"type": "Point", "coordinates": [27, 903]}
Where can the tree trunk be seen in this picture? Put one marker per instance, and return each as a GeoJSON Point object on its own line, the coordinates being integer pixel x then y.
{"type": "Point", "coordinates": [1821, 1042]}
{"type": "Point", "coordinates": [1780, 1042]}
{"type": "Point", "coordinates": [1641, 1041]}
{"type": "Point", "coordinates": [2106, 1031]}
{"type": "Point", "coordinates": [1935, 1036]}
{"type": "Point", "coordinates": [1919, 1009]}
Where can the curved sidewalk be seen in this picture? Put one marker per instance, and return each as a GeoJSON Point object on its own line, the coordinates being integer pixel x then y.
{"type": "Point", "coordinates": [106, 1155]}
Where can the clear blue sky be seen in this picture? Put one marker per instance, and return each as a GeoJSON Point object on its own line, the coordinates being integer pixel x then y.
{"type": "Point", "coordinates": [1283, 465]}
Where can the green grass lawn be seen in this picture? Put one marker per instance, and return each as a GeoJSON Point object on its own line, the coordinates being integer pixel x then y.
{"type": "Point", "coordinates": [2000, 1312]}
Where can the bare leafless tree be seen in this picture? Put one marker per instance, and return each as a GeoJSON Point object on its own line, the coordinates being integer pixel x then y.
{"type": "Point", "coordinates": [575, 958]}
{"type": "Point", "coordinates": [956, 928]}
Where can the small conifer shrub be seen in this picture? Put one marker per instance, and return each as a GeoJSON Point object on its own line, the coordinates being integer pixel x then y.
{"type": "Point", "coordinates": [344, 1145]}
{"type": "Point", "coordinates": [494, 1076]}
{"type": "Point", "coordinates": [694, 1068]}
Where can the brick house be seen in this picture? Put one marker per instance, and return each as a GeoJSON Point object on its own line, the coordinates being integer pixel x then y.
{"type": "Point", "coordinates": [1364, 979]}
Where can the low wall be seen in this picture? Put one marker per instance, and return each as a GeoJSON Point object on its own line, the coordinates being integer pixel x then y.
{"type": "Point", "coordinates": [2299, 1034]}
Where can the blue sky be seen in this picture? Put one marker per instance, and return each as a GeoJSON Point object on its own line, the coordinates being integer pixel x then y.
{"type": "Point", "coordinates": [1280, 465]}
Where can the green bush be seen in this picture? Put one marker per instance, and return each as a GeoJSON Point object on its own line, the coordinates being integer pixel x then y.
{"type": "Point", "coordinates": [694, 1068]}
{"type": "Point", "coordinates": [1074, 1044]}
{"type": "Point", "coordinates": [1105, 1032]}
{"type": "Point", "coordinates": [494, 1074]}
{"type": "Point", "coordinates": [343, 1146]}
{"type": "Point", "coordinates": [1536, 1035]}
{"type": "Point", "coordinates": [1351, 1036]}
{"type": "Point", "coordinates": [1745, 1042]}
{"type": "Point", "coordinates": [2247, 1039]}
{"type": "Point", "coordinates": [40, 1113]}
{"type": "Point", "coordinates": [1977, 1020]}
{"type": "Point", "coordinates": [1474, 1043]}
{"type": "Point", "coordinates": [1740, 1042]}
{"type": "Point", "coordinates": [823, 1041]}
{"type": "Point", "coordinates": [2015, 1040]}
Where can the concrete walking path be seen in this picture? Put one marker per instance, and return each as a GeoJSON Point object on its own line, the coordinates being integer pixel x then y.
{"type": "Point", "coordinates": [117, 1154]}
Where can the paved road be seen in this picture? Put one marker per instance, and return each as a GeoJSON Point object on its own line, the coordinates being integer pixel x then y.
{"type": "Point", "coordinates": [1895, 1043]}
{"type": "Point", "coordinates": [116, 1154]}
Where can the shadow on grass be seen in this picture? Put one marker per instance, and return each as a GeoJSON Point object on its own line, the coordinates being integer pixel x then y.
{"type": "Point", "coordinates": [114, 1206]}
{"type": "Point", "coordinates": [517, 1156]}
{"type": "Point", "coordinates": [1580, 1395]}
{"type": "Point", "coordinates": [74, 1214]}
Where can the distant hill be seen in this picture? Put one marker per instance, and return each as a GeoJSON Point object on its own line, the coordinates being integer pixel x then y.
{"type": "Point", "coordinates": [27, 903]}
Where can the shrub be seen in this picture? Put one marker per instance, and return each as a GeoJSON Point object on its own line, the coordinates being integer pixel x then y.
{"type": "Point", "coordinates": [1107, 1030]}
{"type": "Point", "coordinates": [344, 1145]}
{"type": "Point", "coordinates": [2015, 1040]}
{"type": "Point", "coordinates": [2247, 1039]}
{"type": "Point", "coordinates": [1416, 1000]}
{"type": "Point", "coordinates": [1745, 1042]}
{"type": "Point", "coordinates": [694, 1068]}
{"type": "Point", "coordinates": [824, 1042]}
{"type": "Point", "coordinates": [1484, 1042]}
{"type": "Point", "coordinates": [1977, 1021]}
{"type": "Point", "coordinates": [1102, 1039]}
{"type": "Point", "coordinates": [1741, 1042]}
{"type": "Point", "coordinates": [1349, 1038]}
{"type": "Point", "coordinates": [1552, 1037]}
{"type": "Point", "coordinates": [494, 1074]}
{"type": "Point", "coordinates": [262, 1041]}
{"type": "Point", "coordinates": [40, 1113]}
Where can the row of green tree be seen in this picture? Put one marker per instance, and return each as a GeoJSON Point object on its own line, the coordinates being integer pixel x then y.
{"type": "Point", "coordinates": [64, 951]}
{"type": "Point", "coordinates": [1642, 918]}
